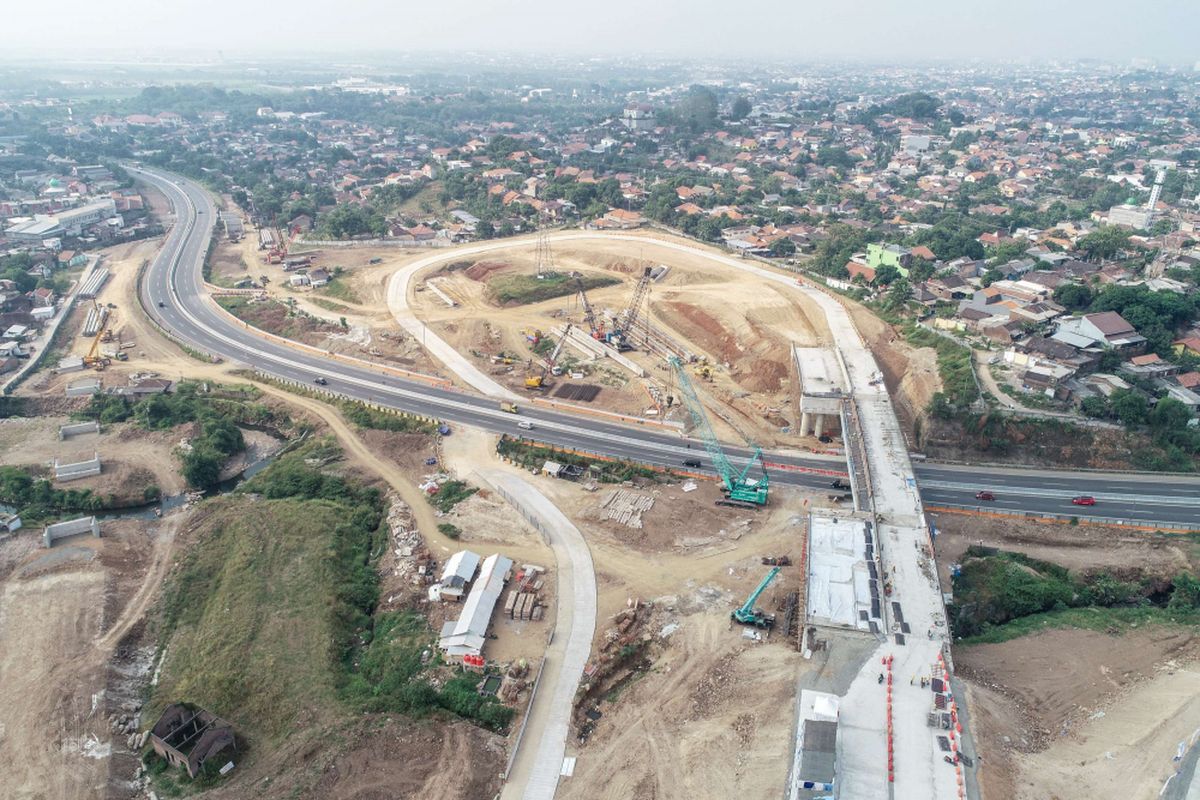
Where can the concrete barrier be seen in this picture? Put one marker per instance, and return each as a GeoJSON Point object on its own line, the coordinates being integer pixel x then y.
{"type": "Point", "coordinates": [598, 349]}
{"type": "Point", "coordinates": [74, 527]}
{"type": "Point", "coordinates": [78, 429]}
{"type": "Point", "coordinates": [80, 469]}
{"type": "Point", "coordinates": [83, 388]}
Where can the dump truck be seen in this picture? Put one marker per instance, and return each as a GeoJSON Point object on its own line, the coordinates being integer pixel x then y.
{"type": "Point", "coordinates": [511, 408]}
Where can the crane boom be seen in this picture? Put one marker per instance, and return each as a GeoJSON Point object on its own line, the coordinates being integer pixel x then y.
{"type": "Point", "coordinates": [635, 303]}
{"type": "Point", "coordinates": [739, 488]}
{"type": "Point", "coordinates": [588, 314]}
{"type": "Point", "coordinates": [748, 614]}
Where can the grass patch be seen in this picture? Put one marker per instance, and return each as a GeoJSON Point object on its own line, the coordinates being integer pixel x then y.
{"type": "Point", "coordinates": [338, 289]}
{"type": "Point", "coordinates": [261, 612]}
{"type": "Point", "coordinates": [959, 389]}
{"type": "Point", "coordinates": [329, 305]}
{"type": "Point", "coordinates": [449, 530]}
{"type": "Point", "coordinates": [278, 318]}
{"type": "Point", "coordinates": [450, 494]}
{"type": "Point", "coordinates": [509, 289]}
{"type": "Point", "coordinates": [270, 620]}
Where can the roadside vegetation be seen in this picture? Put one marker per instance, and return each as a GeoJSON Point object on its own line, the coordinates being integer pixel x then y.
{"type": "Point", "coordinates": [529, 456]}
{"type": "Point", "coordinates": [999, 595]}
{"type": "Point", "coordinates": [515, 290]}
{"type": "Point", "coordinates": [36, 500]}
{"type": "Point", "coordinates": [364, 416]}
{"type": "Point", "coordinates": [450, 494]}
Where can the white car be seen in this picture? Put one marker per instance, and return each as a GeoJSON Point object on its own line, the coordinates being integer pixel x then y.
{"type": "Point", "coordinates": [525, 425]}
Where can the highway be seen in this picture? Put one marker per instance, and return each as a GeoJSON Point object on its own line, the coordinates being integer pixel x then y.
{"type": "Point", "coordinates": [173, 293]}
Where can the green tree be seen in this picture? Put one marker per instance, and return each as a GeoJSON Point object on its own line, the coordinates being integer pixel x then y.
{"type": "Point", "coordinates": [1170, 415]}
{"type": "Point", "coordinates": [1185, 596]}
{"type": "Point", "coordinates": [1130, 407]}
{"type": "Point", "coordinates": [782, 248]}
{"type": "Point", "coordinates": [1104, 243]}
{"type": "Point", "coordinates": [1074, 296]}
{"type": "Point", "coordinates": [886, 275]}
{"type": "Point", "coordinates": [741, 109]}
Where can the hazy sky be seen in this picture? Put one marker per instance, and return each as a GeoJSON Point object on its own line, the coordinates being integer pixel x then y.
{"type": "Point", "coordinates": [801, 29]}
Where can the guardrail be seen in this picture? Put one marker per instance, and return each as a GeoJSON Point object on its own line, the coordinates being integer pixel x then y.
{"type": "Point", "coordinates": [1065, 519]}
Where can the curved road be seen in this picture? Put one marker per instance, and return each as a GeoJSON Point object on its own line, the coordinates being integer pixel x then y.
{"type": "Point", "coordinates": [173, 293]}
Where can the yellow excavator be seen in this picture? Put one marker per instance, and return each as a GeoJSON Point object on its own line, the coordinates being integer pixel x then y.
{"type": "Point", "coordinates": [537, 380]}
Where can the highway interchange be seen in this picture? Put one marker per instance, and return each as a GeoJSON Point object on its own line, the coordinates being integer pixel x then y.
{"type": "Point", "coordinates": [173, 292]}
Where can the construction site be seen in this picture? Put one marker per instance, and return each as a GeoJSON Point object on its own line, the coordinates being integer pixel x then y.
{"type": "Point", "coordinates": [675, 633]}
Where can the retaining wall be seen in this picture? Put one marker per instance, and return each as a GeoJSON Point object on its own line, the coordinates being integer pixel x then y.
{"type": "Point", "coordinates": [72, 527]}
{"type": "Point", "coordinates": [80, 469]}
{"type": "Point", "coordinates": [78, 429]}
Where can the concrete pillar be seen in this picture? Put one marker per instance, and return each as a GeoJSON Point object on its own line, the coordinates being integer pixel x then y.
{"type": "Point", "coordinates": [820, 426]}
{"type": "Point", "coordinates": [804, 423]}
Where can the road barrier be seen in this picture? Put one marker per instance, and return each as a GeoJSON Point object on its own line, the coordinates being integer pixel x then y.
{"type": "Point", "coordinates": [1065, 519]}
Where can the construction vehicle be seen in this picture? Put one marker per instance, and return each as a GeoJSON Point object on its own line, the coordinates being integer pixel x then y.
{"type": "Point", "coordinates": [740, 490]}
{"type": "Point", "coordinates": [634, 310]}
{"type": "Point", "coordinates": [535, 381]}
{"type": "Point", "coordinates": [94, 358]}
{"type": "Point", "coordinates": [748, 614]}
{"type": "Point", "coordinates": [596, 327]}
{"type": "Point", "coordinates": [511, 408]}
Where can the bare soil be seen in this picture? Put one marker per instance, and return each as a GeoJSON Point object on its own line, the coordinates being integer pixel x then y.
{"type": "Point", "coordinates": [63, 613]}
{"type": "Point", "coordinates": [742, 325]}
{"type": "Point", "coordinates": [711, 718]}
{"type": "Point", "coordinates": [1042, 706]}
{"type": "Point", "coordinates": [401, 759]}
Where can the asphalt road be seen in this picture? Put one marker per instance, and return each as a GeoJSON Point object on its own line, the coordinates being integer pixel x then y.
{"type": "Point", "coordinates": [173, 293]}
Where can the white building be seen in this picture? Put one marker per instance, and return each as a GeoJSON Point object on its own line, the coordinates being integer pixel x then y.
{"type": "Point", "coordinates": [466, 635]}
{"type": "Point", "coordinates": [456, 574]}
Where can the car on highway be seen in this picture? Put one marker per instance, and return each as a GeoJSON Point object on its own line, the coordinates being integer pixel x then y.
{"type": "Point", "coordinates": [525, 425]}
{"type": "Point", "coordinates": [320, 382]}
{"type": "Point", "coordinates": [691, 462]}
{"type": "Point", "coordinates": [1083, 500]}
{"type": "Point", "coordinates": [161, 304]}
{"type": "Point", "coordinates": [985, 495]}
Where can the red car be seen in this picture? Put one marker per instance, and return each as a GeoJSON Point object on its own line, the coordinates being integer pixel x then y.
{"type": "Point", "coordinates": [1083, 500]}
{"type": "Point", "coordinates": [984, 495]}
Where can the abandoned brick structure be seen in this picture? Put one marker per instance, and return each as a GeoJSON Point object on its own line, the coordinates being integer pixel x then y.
{"type": "Point", "coordinates": [187, 736]}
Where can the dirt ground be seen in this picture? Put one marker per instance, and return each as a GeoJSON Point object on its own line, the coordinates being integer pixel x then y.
{"type": "Point", "coordinates": [62, 614]}
{"type": "Point", "coordinates": [712, 717]}
{"type": "Point", "coordinates": [1047, 708]}
{"type": "Point", "coordinates": [432, 761]}
{"type": "Point", "coordinates": [1077, 714]}
{"type": "Point", "coordinates": [130, 458]}
{"type": "Point", "coordinates": [910, 373]}
{"type": "Point", "coordinates": [743, 326]}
